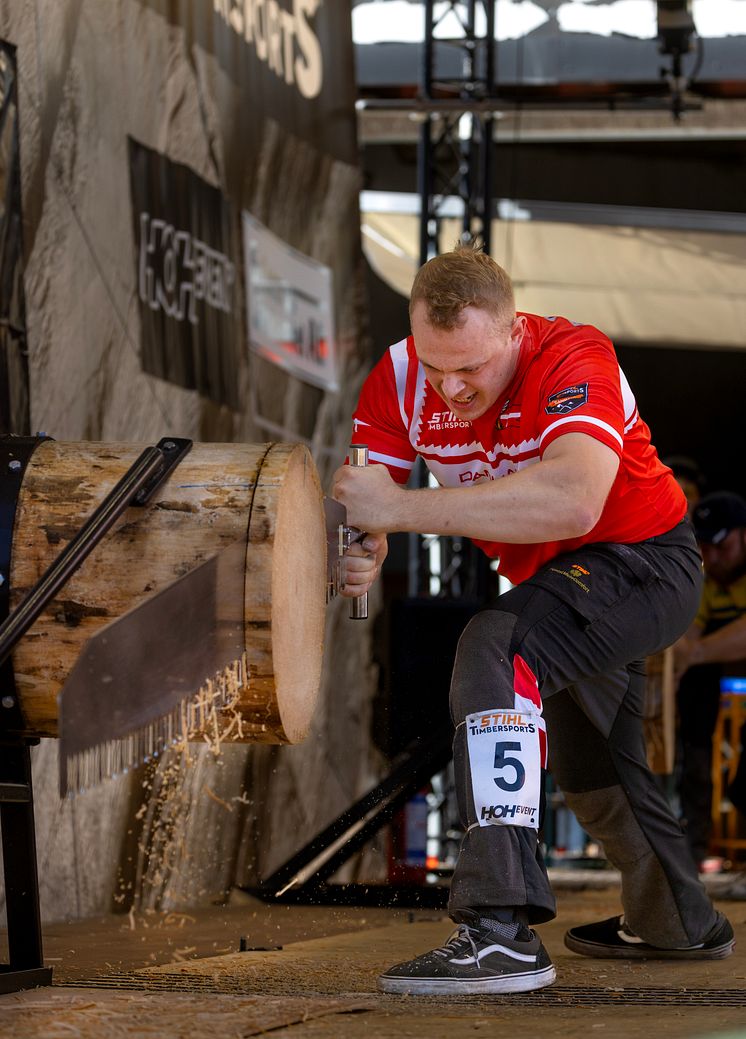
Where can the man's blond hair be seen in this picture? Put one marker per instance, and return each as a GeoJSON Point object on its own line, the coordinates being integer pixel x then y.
{"type": "Point", "coordinates": [465, 277]}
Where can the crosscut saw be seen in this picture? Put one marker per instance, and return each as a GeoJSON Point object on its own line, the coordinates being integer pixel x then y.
{"type": "Point", "coordinates": [140, 680]}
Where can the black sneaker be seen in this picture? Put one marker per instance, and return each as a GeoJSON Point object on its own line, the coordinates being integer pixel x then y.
{"type": "Point", "coordinates": [474, 961]}
{"type": "Point", "coordinates": [612, 939]}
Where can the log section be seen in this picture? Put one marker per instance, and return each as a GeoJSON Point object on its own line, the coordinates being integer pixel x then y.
{"type": "Point", "coordinates": [266, 495]}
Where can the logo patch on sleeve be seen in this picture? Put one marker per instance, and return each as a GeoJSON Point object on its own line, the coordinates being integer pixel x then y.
{"type": "Point", "coordinates": [569, 399]}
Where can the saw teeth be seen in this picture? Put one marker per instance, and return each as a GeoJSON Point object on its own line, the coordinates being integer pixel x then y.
{"type": "Point", "coordinates": [201, 718]}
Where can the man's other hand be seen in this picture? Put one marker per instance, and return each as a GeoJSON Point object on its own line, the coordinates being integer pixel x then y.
{"type": "Point", "coordinates": [362, 563]}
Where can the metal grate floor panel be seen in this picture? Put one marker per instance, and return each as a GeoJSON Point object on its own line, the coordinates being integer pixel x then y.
{"type": "Point", "coordinates": [555, 996]}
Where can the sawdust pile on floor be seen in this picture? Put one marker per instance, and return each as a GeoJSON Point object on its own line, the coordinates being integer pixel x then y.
{"type": "Point", "coordinates": [341, 965]}
{"type": "Point", "coordinates": [80, 1014]}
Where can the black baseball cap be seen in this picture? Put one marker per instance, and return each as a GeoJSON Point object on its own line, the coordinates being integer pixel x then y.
{"type": "Point", "coordinates": [716, 515]}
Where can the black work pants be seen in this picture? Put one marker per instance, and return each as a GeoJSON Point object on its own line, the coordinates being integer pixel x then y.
{"type": "Point", "coordinates": [584, 624]}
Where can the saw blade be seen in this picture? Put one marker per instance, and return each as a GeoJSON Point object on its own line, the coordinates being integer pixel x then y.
{"type": "Point", "coordinates": [138, 670]}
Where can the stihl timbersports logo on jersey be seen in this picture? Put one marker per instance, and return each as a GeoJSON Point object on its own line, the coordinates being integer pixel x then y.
{"type": "Point", "coordinates": [445, 420]}
{"type": "Point", "coordinates": [569, 399]}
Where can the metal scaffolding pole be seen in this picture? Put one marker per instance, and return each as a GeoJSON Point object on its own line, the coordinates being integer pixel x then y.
{"type": "Point", "coordinates": [455, 160]}
{"type": "Point", "coordinates": [455, 156]}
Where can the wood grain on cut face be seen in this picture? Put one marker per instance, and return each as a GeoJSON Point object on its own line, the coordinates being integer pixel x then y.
{"type": "Point", "coordinates": [298, 595]}
{"type": "Point", "coordinates": [285, 590]}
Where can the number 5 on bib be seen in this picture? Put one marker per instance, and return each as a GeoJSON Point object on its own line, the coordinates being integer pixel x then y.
{"type": "Point", "coordinates": [506, 752]}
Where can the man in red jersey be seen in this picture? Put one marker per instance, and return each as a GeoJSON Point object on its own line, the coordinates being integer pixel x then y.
{"type": "Point", "coordinates": [589, 528]}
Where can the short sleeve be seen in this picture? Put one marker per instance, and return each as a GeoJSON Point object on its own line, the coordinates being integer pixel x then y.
{"type": "Point", "coordinates": [585, 393]}
{"type": "Point", "coordinates": [380, 422]}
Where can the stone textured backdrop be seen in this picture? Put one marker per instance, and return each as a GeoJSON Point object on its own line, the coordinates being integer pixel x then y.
{"type": "Point", "coordinates": [90, 74]}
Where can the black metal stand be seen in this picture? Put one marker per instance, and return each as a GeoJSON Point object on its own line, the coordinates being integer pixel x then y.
{"type": "Point", "coordinates": [25, 968]}
{"type": "Point", "coordinates": [302, 878]}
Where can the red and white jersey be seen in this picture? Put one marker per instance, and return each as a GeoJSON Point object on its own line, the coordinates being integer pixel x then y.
{"type": "Point", "coordinates": [568, 380]}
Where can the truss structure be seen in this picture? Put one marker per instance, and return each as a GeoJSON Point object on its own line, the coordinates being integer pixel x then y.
{"type": "Point", "coordinates": [455, 161]}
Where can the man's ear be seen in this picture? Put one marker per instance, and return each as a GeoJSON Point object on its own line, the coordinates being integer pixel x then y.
{"type": "Point", "coordinates": [519, 328]}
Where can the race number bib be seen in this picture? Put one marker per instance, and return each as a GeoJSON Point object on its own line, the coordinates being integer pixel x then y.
{"type": "Point", "coordinates": [506, 751]}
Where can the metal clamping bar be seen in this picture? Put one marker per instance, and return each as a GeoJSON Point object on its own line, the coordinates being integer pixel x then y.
{"type": "Point", "coordinates": [135, 487]}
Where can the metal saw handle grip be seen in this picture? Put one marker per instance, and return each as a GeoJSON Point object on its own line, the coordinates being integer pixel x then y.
{"type": "Point", "coordinates": [359, 606]}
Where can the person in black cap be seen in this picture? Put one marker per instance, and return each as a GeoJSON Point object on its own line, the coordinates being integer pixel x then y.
{"type": "Point", "coordinates": [713, 646]}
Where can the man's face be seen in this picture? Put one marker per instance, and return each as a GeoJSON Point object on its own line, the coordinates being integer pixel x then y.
{"type": "Point", "coordinates": [468, 366]}
{"type": "Point", "coordinates": [726, 561]}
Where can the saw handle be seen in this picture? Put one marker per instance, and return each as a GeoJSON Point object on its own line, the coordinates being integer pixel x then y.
{"type": "Point", "coordinates": [358, 456]}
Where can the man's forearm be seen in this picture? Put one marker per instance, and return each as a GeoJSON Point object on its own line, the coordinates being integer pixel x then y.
{"type": "Point", "coordinates": [545, 502]}
{"type": "Point", "coordinates": [479, 512]}
{"type": "Point", "coordinates": [723, 646]}
{"type": "Point", "coordinates": [560, 497]}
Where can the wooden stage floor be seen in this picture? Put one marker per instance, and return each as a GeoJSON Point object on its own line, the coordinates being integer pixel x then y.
{"type": "Point", "coordinates": [312, 973]}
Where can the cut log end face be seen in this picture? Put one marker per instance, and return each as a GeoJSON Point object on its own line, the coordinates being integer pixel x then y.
{"type": "Point", "coordinates": [298, 591]}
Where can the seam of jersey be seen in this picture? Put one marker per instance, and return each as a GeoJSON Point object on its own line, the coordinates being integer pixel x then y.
{"type": "Point", "coordinates": [583, 419]}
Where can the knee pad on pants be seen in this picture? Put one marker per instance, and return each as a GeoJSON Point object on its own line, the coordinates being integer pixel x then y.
{"type": "Point", "coordinates": [482, 672]}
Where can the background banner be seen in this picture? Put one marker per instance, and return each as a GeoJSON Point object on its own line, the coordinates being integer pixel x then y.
{"type": "Point", "coordinates": [287, 60]}
{"type": "Point", "coordinates": [186, 276]}
{"type": "Point", "coordinates": [290, 303]}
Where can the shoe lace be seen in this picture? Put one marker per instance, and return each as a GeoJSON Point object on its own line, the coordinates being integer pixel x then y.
{"type": "Point", "coordinates": [460, 939]}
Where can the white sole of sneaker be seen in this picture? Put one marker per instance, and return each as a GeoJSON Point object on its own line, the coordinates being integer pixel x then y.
{"type": "Point", "coordinates": [631, 952]}
{"type": "Point", "coordinates": [527, 982]}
